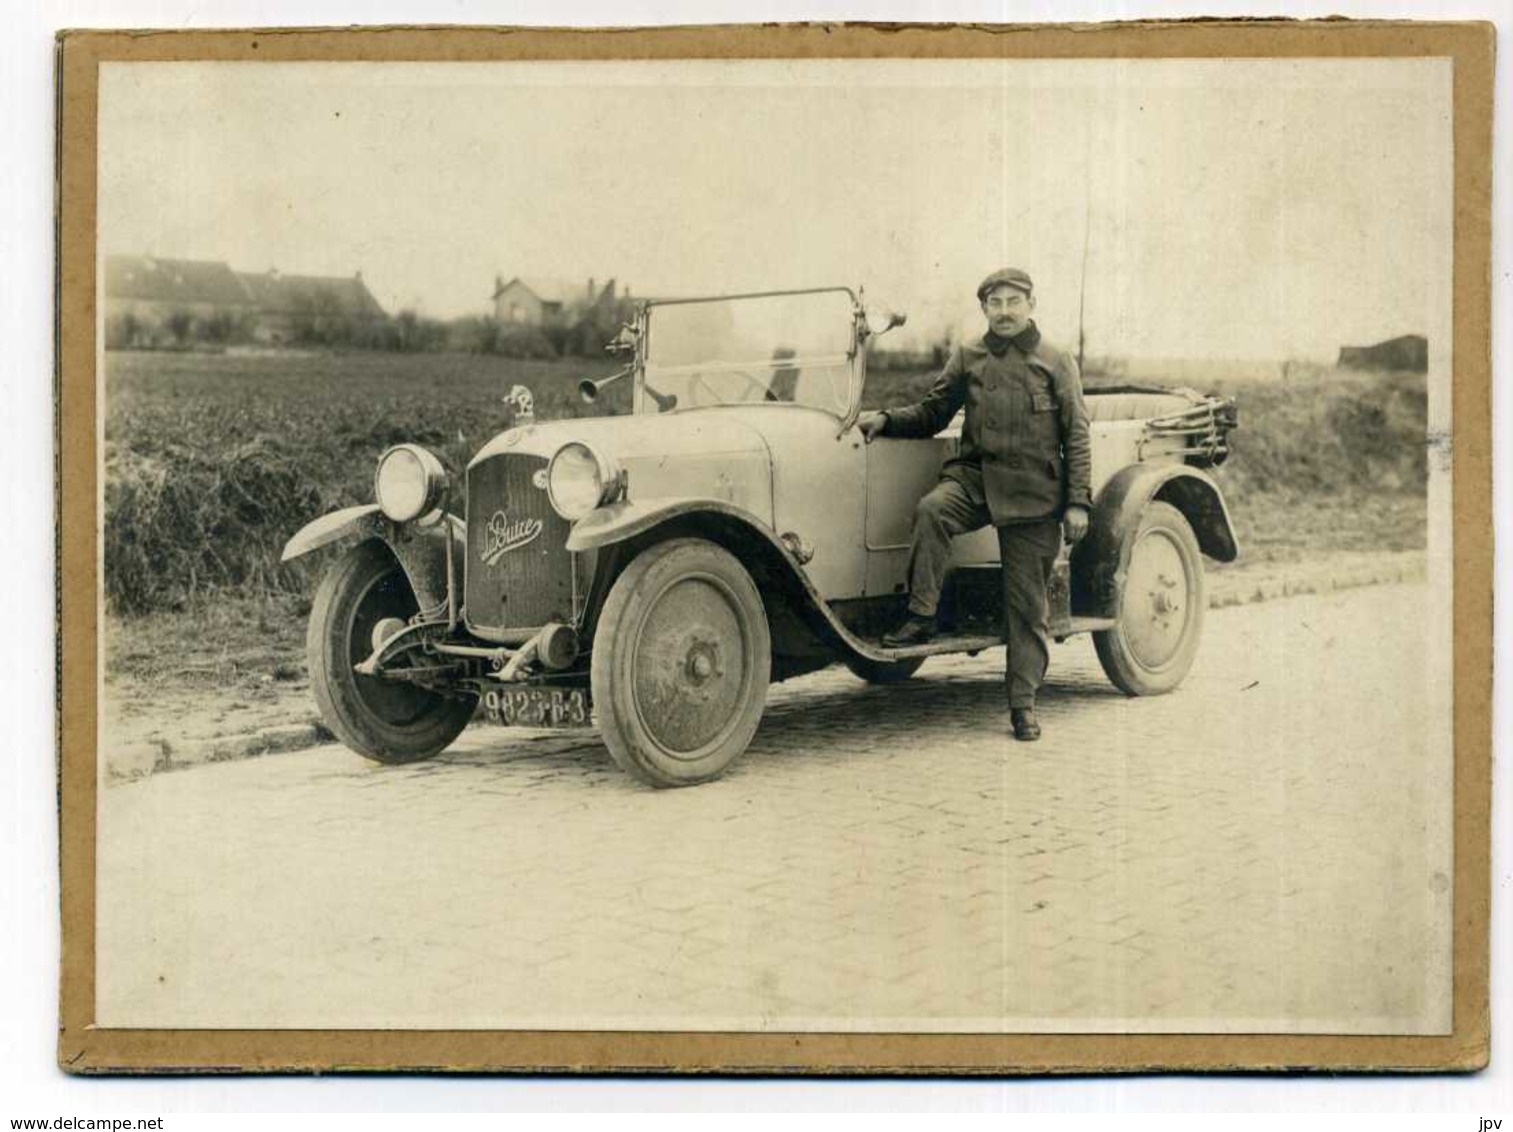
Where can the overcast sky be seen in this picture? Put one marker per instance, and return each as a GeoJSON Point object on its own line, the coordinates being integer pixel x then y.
{"type": "Point", "coordinates": [1239, 209]}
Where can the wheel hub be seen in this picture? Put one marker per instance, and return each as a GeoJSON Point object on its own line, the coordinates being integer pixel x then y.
{"type": "Point", "coordinates": [1164, 599]}
{"type": "Point", "coordinates": [702, 663]}
{"type": "Point", "coordinates": [689, 670]}
{"type": "Point", "coordinates": [1158, 618]}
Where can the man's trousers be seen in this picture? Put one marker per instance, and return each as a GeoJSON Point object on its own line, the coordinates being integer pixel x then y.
{"type": "Point", "coordinates": [1028, 551]}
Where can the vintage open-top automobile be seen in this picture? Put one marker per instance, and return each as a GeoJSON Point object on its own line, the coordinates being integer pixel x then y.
{"type": "Point", "coordinates": [656, 571]}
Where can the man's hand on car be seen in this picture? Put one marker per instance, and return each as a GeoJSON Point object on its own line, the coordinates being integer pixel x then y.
{"type": "Point", "coordinates": [872, 425]}
{"type": "Point", "coordinates": [1074, 524]}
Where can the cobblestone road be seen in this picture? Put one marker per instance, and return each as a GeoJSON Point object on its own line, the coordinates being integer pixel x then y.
{"type": "Point", "coordinates": [1268, 848]}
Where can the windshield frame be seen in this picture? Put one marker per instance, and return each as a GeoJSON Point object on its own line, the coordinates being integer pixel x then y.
{"type": "Point", "coordinates": [856, 353]}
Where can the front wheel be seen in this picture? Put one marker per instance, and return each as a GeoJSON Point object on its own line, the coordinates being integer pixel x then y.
{"type": "Point", "coordinates": [681, 661]}
{"type": "Point", "coordinates": [384, 720]}
{"type": "Point", "coordinates": [1152, 645]}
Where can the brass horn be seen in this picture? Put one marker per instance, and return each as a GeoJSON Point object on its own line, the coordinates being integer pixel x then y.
{"type": "Point", "coordinates": [588, 389]}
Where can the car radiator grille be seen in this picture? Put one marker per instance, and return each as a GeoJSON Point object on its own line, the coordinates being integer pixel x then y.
{"type": "Point", "coordinates": [519, 572]}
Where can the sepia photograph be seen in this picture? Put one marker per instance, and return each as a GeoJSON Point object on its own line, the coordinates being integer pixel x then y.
{"type": "Point", "coordinates": [826, 546]}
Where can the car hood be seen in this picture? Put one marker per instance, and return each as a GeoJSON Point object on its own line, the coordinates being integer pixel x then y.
{"type": "Point", "coordinates": [713, 454]}
{"type": "Point", "coordinates": [633, 437]}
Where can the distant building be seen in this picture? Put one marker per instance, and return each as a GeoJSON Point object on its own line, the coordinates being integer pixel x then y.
{"type": "Point", "coordinates": [1410, 352]}
{"type": "Point", "coordinates": [155, 291]}
{"type": "Point", "coordinates": [579, 316]}
{"type": "Point", "coordinates": [151, 301]}
{"type": "Point", "coordinates": [292, 307]}
{"type": "Point", "coordinates": [548, 302]}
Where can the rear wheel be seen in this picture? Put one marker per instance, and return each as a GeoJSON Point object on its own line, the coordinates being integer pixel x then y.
{"type": "Point", "coordinates": [1152, 645]}
{"type": "Point", "coordinates": [884, 671]}
{"type": "Point", "coordinates": [681, 663]}
{"type": "Point", "coordinates": [388, 721]}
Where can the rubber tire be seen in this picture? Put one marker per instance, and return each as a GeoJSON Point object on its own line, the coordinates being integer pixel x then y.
{"type": "Point", "coordinates": [369, 573]}
{"type": "Point", "coordinates": [632, 599]}
{"type": "Point", "coordinates": [883, 671]}
{"type": "Point", "coordinates": [1127, 672]}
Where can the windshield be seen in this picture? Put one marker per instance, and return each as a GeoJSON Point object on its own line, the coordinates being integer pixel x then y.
{"type": "Point", "coordinates": [793, 349]}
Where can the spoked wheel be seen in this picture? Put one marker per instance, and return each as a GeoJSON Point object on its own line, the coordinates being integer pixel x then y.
{"type": "Point", "coordinates": [681, 664]}
{"type": "Point", "coordinates": [884, 671]}
{"type": "Point", "coordinates": [390, 721]}
{"type": "Point", "coordinates": [1152, 646]}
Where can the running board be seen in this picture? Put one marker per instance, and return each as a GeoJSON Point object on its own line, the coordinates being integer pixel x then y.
{"type": "Point", "coordinates": [942, 643]}
{"type": "Point", "coordinates": [976, 642]}
{"type": "Point", "coordinates": [1090, 624]}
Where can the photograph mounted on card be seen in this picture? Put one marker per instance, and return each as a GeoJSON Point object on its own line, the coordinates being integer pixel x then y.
{"type": "Point", "coordinates": [801, 549]}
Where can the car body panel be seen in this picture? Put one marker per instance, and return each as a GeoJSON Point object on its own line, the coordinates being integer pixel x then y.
{"type": "Point", "coordinates": [332, 527]}
{"type": "Point", "coordinates": [1115, 445]}
{"type": "Point", "coordinates": [419, 547]}
{"type": "Point", "coordinates": [663, 455]}
{"type": "Point", "coordinates": [818, 494]}
{"type": "Point", "coordinates": [783, 465]}
{"type": "Point", "coordinates": [627, 518]}
{"type": "Point", "coordinates": [768, 557]}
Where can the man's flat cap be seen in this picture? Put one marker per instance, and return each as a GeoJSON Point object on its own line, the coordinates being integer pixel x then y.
{"type": "Point", "coordinates": [1006, 277]}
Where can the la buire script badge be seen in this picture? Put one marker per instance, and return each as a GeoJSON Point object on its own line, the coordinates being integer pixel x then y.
{"type": "Point", "coordinates": [502, 536]}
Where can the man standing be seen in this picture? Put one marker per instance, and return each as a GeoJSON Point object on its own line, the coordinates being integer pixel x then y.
{"type": "Point", "coordinates": [1024, 464]}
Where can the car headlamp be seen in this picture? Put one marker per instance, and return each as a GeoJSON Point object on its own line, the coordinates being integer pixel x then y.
{"type": "Point", "coordinates": [580, 479]}
{"type": "Point", "coordinates": [409, 482]}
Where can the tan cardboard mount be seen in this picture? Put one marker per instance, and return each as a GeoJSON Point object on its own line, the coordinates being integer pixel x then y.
{"type": "Point", "coordinates": [85, 1048]}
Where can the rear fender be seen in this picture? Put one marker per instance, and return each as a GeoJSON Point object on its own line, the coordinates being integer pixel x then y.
{"type": "Point", "coordinates": [420, 548]}
{"type": "Point", "coordinates": [1098, 561]}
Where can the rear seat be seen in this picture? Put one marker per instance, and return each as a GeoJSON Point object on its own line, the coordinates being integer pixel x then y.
{"type": "Point", "coordinates": [1130, 406]}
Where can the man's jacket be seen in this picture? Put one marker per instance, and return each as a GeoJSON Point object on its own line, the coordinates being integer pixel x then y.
{"type": "Point", "coordinates": [1024, 444]}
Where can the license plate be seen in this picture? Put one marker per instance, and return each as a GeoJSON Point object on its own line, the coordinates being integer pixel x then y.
{"type": "Point", "coordinates": [537, 707]}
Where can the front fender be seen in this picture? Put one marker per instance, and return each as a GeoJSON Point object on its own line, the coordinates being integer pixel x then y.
{"type": "Point", "coordinates": [620, 521]}
{"type": "Point", "coordinates": [774, 564]}
{"type": "Point", "coordinates": [353, 521]}
{"type": "Point", "coordinates": [421, 550]}
{"type": "Point", "coordinates": [1097, 562]}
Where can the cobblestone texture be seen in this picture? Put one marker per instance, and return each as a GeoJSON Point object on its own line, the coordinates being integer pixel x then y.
{"type": "Point", "coordinates": [147, 736]}
{"type": "Point", "coordinates": [1267, 848]}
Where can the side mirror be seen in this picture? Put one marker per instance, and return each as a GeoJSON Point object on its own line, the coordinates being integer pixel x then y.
{"type": "Point", "coordinates": [891, 319]}
{"type": "Point", "coordinates": [625, 341]}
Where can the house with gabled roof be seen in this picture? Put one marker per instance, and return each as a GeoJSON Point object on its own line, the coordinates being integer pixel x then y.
{"type": "Point", "coordinates": [576, 317]}
{"type": "Point", "coordinates": [544, 302]}
{"type": "Point", "coordinates": [153, 301]}
{"type": "Point", "coordinates": [310, 307]}
{"type": "Point", "coordinates": [163, 297]}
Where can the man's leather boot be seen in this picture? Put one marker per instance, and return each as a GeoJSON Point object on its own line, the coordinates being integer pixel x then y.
{"type": "Point", "coordinates": [1026, 726]}
{"type": "Point", "coordinates": [914, 630]}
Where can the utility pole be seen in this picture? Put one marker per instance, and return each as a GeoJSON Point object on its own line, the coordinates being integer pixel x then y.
{"type": "Point", "coordinates": [1087, 224]}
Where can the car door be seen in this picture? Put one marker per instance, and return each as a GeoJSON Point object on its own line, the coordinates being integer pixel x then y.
{"type": "Point", "coordinates": [818, 494]}
{"type": "Point", "coordinates": [899, 473]}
